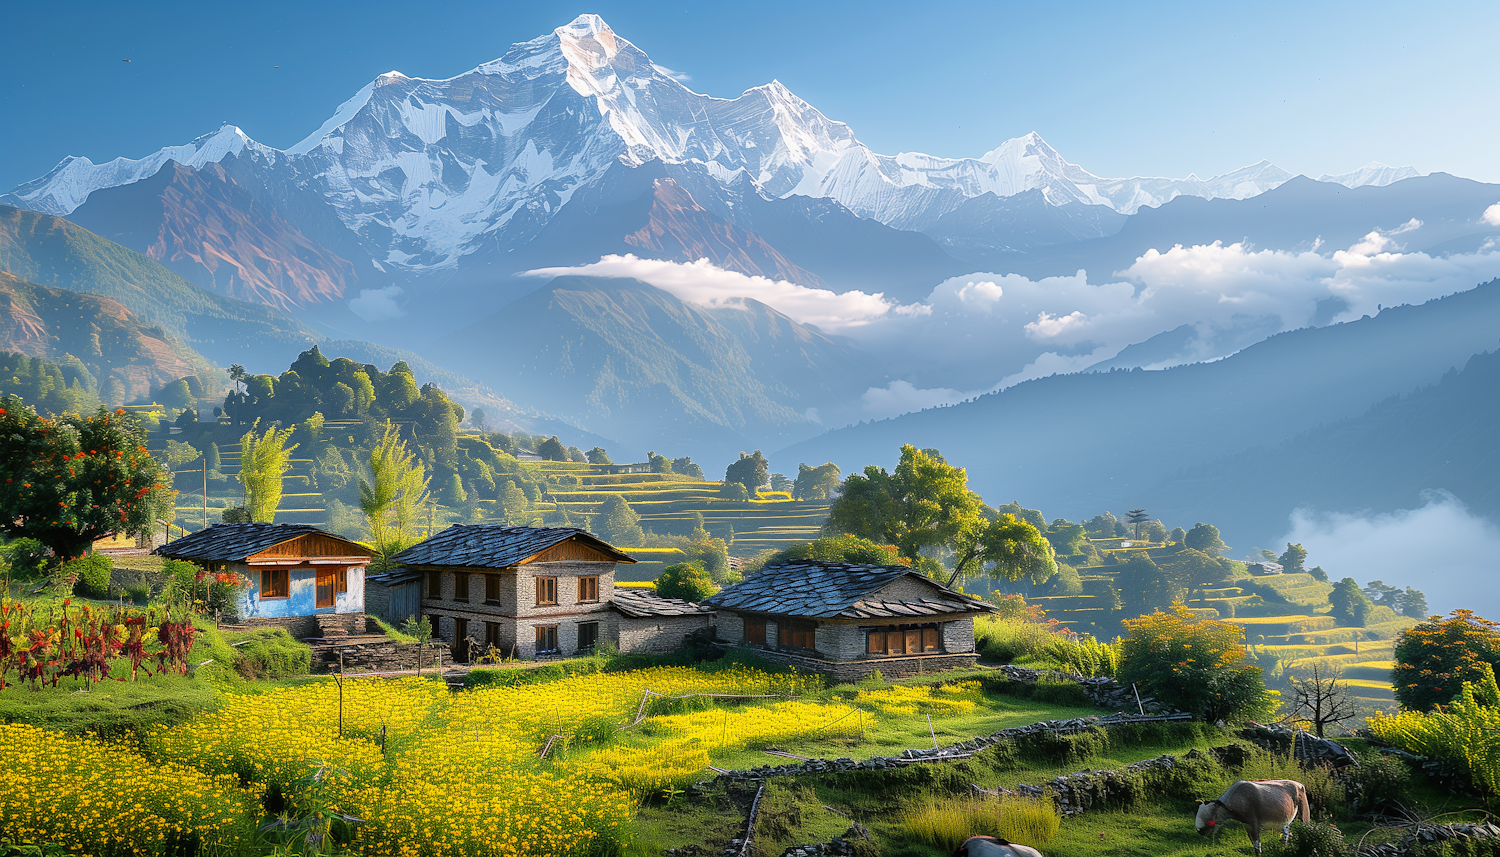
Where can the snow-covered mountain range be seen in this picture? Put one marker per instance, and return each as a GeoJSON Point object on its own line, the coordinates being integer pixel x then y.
{"type": "Point", "coordinates": [427, 172]}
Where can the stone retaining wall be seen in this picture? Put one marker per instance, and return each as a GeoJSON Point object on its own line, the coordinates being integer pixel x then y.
{"type": "Point", "coordinates": [387, 656]}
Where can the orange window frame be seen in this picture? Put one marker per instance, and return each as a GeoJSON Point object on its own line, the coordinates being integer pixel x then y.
{"type": "Point", "coordinates": [588, 588]}
{"type": "Point", "coordinates": [275, 583]}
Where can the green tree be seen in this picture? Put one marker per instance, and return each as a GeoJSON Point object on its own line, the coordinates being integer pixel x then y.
{"type": "Point", "coordinates": [1194, 571]}
{"type": "Point", "coordinates": [1205, 538]}
{"type": "Point", "coordinates": [453, 492]}
{"type": "Point", "coordinates": [1021, 513]}
{"type": "Point", "coordinates": [179, 453]}
{"type": "Point", "coordinates": [750, 471]}
{"type": "Point", "coordinates": [264, 461]}
{"type": "Point", "coordinates": [1006, 548]}
{"type": "Point", "coordinates": [478, 419]}
{"type": "Point", "coordinates": [684, 466]}
{"type": "Point", "coordinates": [1351, 607]}
{"type": "Point", "coordinates": [1435, 658]}
{"type": "Point", "coordinates": [1412, 604]}
{"type": "Point", "coordinates": [397, 487]}
{"type": "Point", "coordinates": [312, 428]}
{"type": "Point", "coordinates": [925, 503]}
{"type": "Point", "coordinates": [1177, 536]}
{"type": "Point", "coordinates": [1067, 538]}
{"type": "Point", "coordinates": [1145, 587]}
{"type": "Point", "coordinates": [1318, 573]}
{"type": "Point", "coordinates": [552, 449]}
{"type": "Point", "coordinates": [1292, 559]}
{"type": "Point", "coordinates": [73, 479]}
{"type": "Point", "coordinates": [597, 455]}
{"type": "Point", "coordinates": [176, 394]}
{"type": "Point", "coordinates": [816, 483]}
{"type": "Point", "coordinates": [734, 491]}
{"type": "Point", "coordinates": [779, 482]}
{"type": "Point", "coordinates": [513, 501]}
{"type": "Point", "coordinates": [1154, 531]}
{"type": "Point", "coordinates": [659, 463]}
{"type": "Point", "coordinates": [1196, 665]}
{"type": "Point", "coordinates": [619, 524]}
{"type": "Point", "coordinates": [1102, 526]}
{"type": "Point", "coordinates": [215, 463]}
{"type": "Point", "coordinates": [688, 581]}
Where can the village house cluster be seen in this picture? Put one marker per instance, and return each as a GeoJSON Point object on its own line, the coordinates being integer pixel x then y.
{"type": "Point", "coordinates": [542, 592]}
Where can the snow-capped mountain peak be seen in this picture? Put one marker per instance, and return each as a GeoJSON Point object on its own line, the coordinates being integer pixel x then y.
{"type": "Point", "coordinates": [423, 171]}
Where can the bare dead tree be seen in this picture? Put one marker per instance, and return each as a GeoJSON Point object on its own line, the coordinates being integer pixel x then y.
{"type": "Point", "coordinates": [1320, 694]}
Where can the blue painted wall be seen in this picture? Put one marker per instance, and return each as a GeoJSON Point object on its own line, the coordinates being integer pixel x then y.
{"type": "Point", "coordinates": [303, 596]}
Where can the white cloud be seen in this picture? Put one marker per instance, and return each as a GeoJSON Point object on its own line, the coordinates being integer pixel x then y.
{"type": "Point", "coordinates": [1440, 549]}
{"type": "Point", "coordinates": [986, 331]}
{"type": "Point", "coordinates": [902, 397]}
{"type": "Point", "coordinates": [378, 304]}
{"type": "Point", "coordinates": [1492, 215]}
{"type": "Point", "coordinates": [678, 76]}
{"type": "Point", "coordinates": [702, 282]}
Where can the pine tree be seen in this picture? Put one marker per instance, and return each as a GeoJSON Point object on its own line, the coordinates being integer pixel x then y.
{"type": "Point", "coordinates": [619, 524]}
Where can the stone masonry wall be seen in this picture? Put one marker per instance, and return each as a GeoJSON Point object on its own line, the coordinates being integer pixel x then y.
{"type": "Point", "coordinates": [658, 635]}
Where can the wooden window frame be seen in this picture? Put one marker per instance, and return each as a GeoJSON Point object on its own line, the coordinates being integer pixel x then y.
{"type": "Point", "coordinates": [331, 576]}
{"type": "Point", "coordinates": [545, 631]}
{"type": "Point", "coordinates": [879, 641]}
{"type": "Point", "coordinates": [341, 583]}
{"type": "Point", "coordinates": [269, 590]}
{"type": "Point", "coordinates": [434, 585]}
{"type": "Point", "coordinates": [460, 586]}
{"type": "Point", "coordinates": [591, 644]}
{"type": "Point", "coordinates": [492, 634]}
{"type": "Point", "coordinates": [460, 637]}
{"type": "Point", "coordinates": [755, 631]}
{"type": "Point", "coordinates": [588, 588]}
{"type": "Point", "coordinates": [492, 589]}
{"type": "Point", "coordinates": [546, 591]}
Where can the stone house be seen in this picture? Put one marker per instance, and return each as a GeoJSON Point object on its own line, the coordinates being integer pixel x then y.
{"type": "Point", "coordinates": [301, 578]}
{"type": "Point", "coordinates": [535, 592]}
{"type": "Point", "coordinates": [847, 620]}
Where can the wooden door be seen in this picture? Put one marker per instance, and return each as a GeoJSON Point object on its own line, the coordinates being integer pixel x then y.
{"type": "Point", "coordinates": [326, 583]}
{"type": "Point", "coordinates": [913, 641]}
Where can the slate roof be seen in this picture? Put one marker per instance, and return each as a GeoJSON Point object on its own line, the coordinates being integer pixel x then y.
{"type": "Point", "coordinates": [491, 546]}
{"type": "Point", "coordinates": [826, 590]}
{"type": "Point", "coordinates": [643, 602]}
{"type": "Point", "coordinates": [233, 542]}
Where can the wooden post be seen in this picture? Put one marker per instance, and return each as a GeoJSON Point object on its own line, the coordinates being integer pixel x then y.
{"type": "Point", "coordinates": [341, 693]}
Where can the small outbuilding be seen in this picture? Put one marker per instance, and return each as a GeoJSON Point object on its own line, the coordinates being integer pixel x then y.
{"type": "Point", "coordinates": [847, 620]}
{"type": "Point", "coordinates": [301, 578]}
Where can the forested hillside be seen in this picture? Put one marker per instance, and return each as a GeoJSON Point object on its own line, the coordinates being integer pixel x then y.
{"type": "Point", "coordinates": [123, 356]}
{"type": "Point", "coordinates": [1439, 437]}
{"type": "Point", "coordinates": [1077, 443]}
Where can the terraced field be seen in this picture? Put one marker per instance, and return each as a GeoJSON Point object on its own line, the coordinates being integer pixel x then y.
{"type": "Point", "coordinates": [666, 504]}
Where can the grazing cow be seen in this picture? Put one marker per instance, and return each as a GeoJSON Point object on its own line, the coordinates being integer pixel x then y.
{"type": "Point", "coordinates": [1259, 804]}
{"type": "Point", "coordinates": [989, 846]}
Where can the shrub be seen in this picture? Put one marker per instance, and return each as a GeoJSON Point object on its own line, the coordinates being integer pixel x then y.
{"type": "Point", "coordinates": [1196, 665]}
{"type": "Point", "coordinates": [1434, 659]}
{"type": "Point", "coordinates": [93, 574]}
{"type": "Point", "coordinates": [1309, 840]}
{"type": "Point", "coordinates": [1377, 782]}
{"type": "Point", "coordinates": [688, 581]}
{"type": "Point", "coordinates": [1462, 732]}
{"type": "Point", "coordinates": [139, 593]}
{"type": "Point", "coordinates": [1005, 640]}
{"type": "Point", "coordinates": [271, 654]}
{"type": "Point", "coordinates": [27, 557]}
{"type": "Point", "coordinates": [945, 824]}
{"type": "Point", "coordinates": [1084, 654]}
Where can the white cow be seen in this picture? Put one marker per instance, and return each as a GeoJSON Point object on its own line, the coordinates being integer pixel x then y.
{"type": "Point", "coordinates": [1257, 804]}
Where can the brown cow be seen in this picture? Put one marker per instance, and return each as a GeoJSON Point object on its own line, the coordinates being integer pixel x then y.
{"type": "Point", "coordinates": [1258, 804]}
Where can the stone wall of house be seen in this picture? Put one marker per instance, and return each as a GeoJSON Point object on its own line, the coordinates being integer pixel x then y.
{"type": "Point", "coordinates": [381, 656]}
{"type": "Point", "coordinates": [958, 635]}
{"type": "Point", "coordinates": [847, 671]}
{"type": "Point", "coordinates": [306, 627]}
{"type": "Point", "coordinates": [730, 627]}
{"type": "Point", "coordinates": [658, 635]}
{"type": "Point", "coordinates": [841, 642]}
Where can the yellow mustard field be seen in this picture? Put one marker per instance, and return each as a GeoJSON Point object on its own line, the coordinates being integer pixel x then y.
{"type": "Point", "coordinates": [427, 772]}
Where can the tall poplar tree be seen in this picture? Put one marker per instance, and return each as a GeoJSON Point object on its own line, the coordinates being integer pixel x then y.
{"type": "Point", "coordinates": [264, 461]}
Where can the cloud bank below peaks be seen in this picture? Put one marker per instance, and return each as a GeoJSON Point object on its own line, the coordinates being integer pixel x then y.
{"type": "Point", "coordinates": [986, 331]}
{"type": "Point", "coordinates": [704, 283]}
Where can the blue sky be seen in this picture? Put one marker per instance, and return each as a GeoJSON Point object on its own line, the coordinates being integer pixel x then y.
{"type": "Point", "coordinates": [1122, 89]}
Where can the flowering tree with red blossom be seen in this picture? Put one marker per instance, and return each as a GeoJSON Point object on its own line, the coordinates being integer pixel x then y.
{"type": "Point", "coordinates": [68, 480]}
